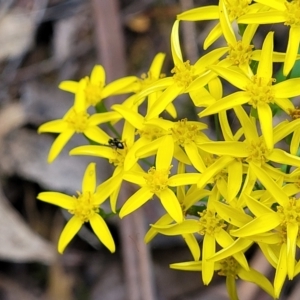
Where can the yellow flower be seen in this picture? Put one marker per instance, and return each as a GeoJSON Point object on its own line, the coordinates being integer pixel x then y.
{"type": "Point", "coordinates": [85, 208]}
{"type": "Point", "coordinates": [232, 269]}
{"type": "Point", "coordinates": [120, 158]}
{"type": "Point", "coordinates": [235, 8]}
{"type": "Point", "coordinates": [240, 52]}
{"type": "Point", "coordinates": [211, 226]}
{"type": "Point", "coordinates": [154, 182]}
{"type": "Point", "coordinates": [186, 200]}
{"type": "Point", "coordinates": [186, 77]}
{"type": "Point", "coordinates": [280, 11]}
{"type": "Point", "coordinates": [76, 120]}
{"type": "Point", "coordinates": [95, 89]}
{"type": "Point", "coordinates": [257, 91]}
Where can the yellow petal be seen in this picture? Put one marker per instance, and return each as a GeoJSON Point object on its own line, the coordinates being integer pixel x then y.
{"type": "Point", "coordinates": [72, 227]}
{"type": "Point", "coordinates": [98, 76]}
{"type": "Point", "coordinates": [258, 225]}
{"type": "Point", "coordinates": [292, 49]}
{"type": "Point", "coordinates": [265, 66]}
{"type": "Point", "coordinates": [135, 201]}
{"type": "Point", "coordinates": [171, 204]}
{"type": "Point", "coordinates": [101, 230]}
{"type": "Point", "coordinates": [96, 134]}
{"type": "Point", "coordinates": [89, 179]}
{"type": "Point", "coordinates": [55, 126]}
{"type": "Point", "coordinates": [69, 86]}
{"type": "Point", "coordinates": [59, 199]}
{"type": "Point", "coordinates": [59, 143]}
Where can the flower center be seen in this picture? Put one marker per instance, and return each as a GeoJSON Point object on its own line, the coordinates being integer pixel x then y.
{"type": "Point", "coordinates": [258, 152]}
{"type": "Point", "coordinates": [78, 120]}
{"type": "Point", "coordinates": [295, 113]}
{"type": "Point", "coordinates": [151, 132]}
{"type": "Point", "coordinates": [237, 8]}
{"type": "Point", "coordinates": [157, 180]}
{"type": "Point", "coordinates": [210, 223]}
{"type": "Point", "coordinates": [118, 159]}
{"type": "Point", "coordinates": [84, 207]}
{"type": "Point", "coordinates": [290, 213]}
{"type": "Point", "coordinates": [292, 13]}
{"type": "Point", "coordinates": [183, 74]}
{"type": "Point", "coordinates": [240, 54]}
{"type": "Point", "coordinates": [92, 93]}
{"type": "Point", "coordinates": [260, 91]}
{"type": "Point", "coordinates": [185, 132]}
{"type": "Point", "coordinates": [229, 267]}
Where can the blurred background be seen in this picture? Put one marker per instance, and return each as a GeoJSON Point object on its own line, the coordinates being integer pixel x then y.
{"type": "Point", "coordinates": [43, 42]}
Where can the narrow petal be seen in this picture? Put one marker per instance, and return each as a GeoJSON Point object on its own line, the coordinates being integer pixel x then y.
{"type": "Point", "coordinates": [59, 199]}
{"type": "Point", "coordinates": [175, 44]}
{"type": "Point", "coordinates": [286, 89]}
{"type": "Point", "coordinates": [187, 266]}
{"type": "Point", "coordinates": [228, 102]}
{"type": "Point", "coordinates": [213, 170]}
{"type": "Point", "coordinates": [171, 205]}
{"type": "Point", "coordinates": [135, 177]}
{"type": "Point", "coordinates": [257, 278]}
{"type": "Point", "coordinates": [129, 115]}
{"type": "Point", "coordinates": [209, 12]}
{"type": "Point", "coordinates": [135, 201]}
{"type": "Point", "coordinates": [152, 232]}
{"type": "Point", "coordinates": [292, 49]}
{"type": "Point", "coordinates": [193, 245]}
{"type": "Point", "coordinates": [226, 148]}
{"type": "Point", "coordinates": [265, 66]}
{"type": "Point", "coordinates": [106, 188]}
{"type": "Point", "coordinates": [94, 150]}
{"type": "Point", "coordinates": [256, 207]}
{"type": "Point", "coordinates": [266, 124]}
{"type": "Point", "coordinates": [249, 127]}
{"type": "Point", "coordinates": [119, 86]}
{"type": "Point", "coordinates": [89, 179]}
{"type": "Point", "coordinates": [69, 86]}
{"type": "Point", "coordinates": [273, 188]}
{"type": "Point", "coordinates": [209, 248]}
{"type": "Point", "coordinates": [231, 287]}
{"type": "Point", "coordinates": [156, 65]}
{"type": "Point", "coordinates": [55, 126]}
{"type": "Point", "coordinates": [186, 227]}
{"type": "Point", "coordinates": [232, 215]}
{"type": "Point", "coordinates": [101, 230]}
{"type": "Point", "coordinates": [98, 76]}
{"type": "Point", "coordinates": [71, 228]}
{"type": "Point", "coordinates": [235, 177]}
{"type": "Point", "coordinates": [236, 247]}
{"type": "Point", "coordinates": [236, 78]}
{"type": "Point", "coordinates": [165, 153]}
{"type": "Point", "coordinates": [281, 271]}
{"type": "Point", "coordinates": [209, 59]}
{"type": "Point", "coordinates": [164, 100]}
{"type": "Point", "coordinates": [184, 179]}
{"type": "Point", "coordinates": [268, 17]}
{"type": "Point", "coordinates": [96, 134]}
{"type": "Point", "coordinates": [292, 232]}
{"type": "Point", "coordinates": [283, 157]}
{"type": "Point", "coordinates": [213, 35]}
{"type": "Point", "coordinates": [226, 24]}
{"type": "Point", "coordinates": [59, 143]}
{"type": "Point", "coordinates": [195, 157]}
{"type": "Point", "coordinates": [100, 118]}
{"type": "Point", "coordinates": [258, 225]}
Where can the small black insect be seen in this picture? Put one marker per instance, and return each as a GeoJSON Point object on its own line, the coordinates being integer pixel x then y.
{"type": "Point", "coordinates": [115, 142]}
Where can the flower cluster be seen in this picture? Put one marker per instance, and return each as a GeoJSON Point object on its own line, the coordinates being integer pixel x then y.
{"type": "Point", "coordinates": [222, 195]}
